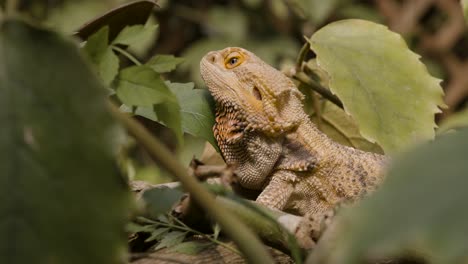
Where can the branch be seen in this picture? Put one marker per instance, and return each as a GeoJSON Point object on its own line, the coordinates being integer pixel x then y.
{"type": "Point", "coordinates": [308, 82]}
{"type": "Point", "coordinates": [246, 241]}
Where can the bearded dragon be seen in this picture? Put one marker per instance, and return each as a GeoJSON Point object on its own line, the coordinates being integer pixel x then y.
{"type": "Point", "coordinates": [263, 132]}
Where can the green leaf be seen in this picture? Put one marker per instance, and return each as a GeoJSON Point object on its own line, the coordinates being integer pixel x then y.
{"type": "Point", "coordinates": [168, 113]}
{"type": "Point", "coordinates": [134, 34]}
{"type": "Point", "coordinates": [381, 83]}
{"type": "Point", "coordinates": [420, 209]}
{"type": "Point", "coordinates": [141, 86]}
{"type": "Point", "coordinates": [190, 247]}
{"type": "Point", "coordinates": [137, 228]}
{"type": "Point", "coordinates": [196, 110]}
{"type": "Point", "coordinates": [58, 176]}
{"type": "Point", "coordinates": [164, 63]}
{"type": "Point", "coordinates": [102, 56]}
{"type": "Point", "coordinates": [157, 234]}
{"type": "Point", "coordinates": [171, 239]}
{"type": "Point", "coordinates": [455, 121]}
{"type": "Point", "coordinates": [342, 128]}
{"type": "Point", "coordinates": [160, 200]}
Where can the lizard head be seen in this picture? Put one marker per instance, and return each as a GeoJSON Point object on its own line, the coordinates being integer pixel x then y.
{"type": "Point", "coordinates": [237, 78]}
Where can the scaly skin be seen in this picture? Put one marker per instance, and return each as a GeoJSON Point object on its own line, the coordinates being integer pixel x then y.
{"type": "Point", "coordinates": [263, 131]}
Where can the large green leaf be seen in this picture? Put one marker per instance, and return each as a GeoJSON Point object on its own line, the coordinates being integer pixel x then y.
{"type": "Point", "coordinates": [341, 127]}
{"type": "Point", "coordinates": [62, 199]}
{"type": "Point", "coordinates": [316, 10]}
{"type": "Point", "coordinates": [381, 83]}
{"type": "Point", "coordinates": [420, 209]}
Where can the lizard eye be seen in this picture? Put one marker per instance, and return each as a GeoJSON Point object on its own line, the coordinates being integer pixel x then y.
{"type": "Point", "coordinates": [233, 60]}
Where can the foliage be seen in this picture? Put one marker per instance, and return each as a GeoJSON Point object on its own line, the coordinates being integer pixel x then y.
{"type": "Point", "coordinates": [419, 210]}
{"type": "Point", "coordinates": [142, 89]}
{"type": "Point", "coordinates": [381, 83]}
{"type": "Point", "coordinates": [57, 143]}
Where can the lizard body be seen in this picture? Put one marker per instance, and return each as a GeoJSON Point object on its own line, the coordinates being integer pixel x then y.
{"type": "Point", "coordinates": [263, 131]}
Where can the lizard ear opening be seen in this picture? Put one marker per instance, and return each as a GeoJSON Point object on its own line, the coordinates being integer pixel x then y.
{"type": "Point", "coordinates": [256, 93]}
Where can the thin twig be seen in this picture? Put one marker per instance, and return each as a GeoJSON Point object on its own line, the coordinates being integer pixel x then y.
{"type": "Point", "coordinates": [308, 82]}
{"type": "Point", "coordinates": [126, 54]}
{"type": "Point", "coordinates": [206, 236]}
{"type": "Point", "coordinates": [246, 241]}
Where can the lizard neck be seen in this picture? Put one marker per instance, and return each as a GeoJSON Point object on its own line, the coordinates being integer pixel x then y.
{"type": "Point", "coordinates": [315, 140]}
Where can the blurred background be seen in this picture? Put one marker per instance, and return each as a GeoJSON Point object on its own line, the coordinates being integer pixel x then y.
{"type": "Point", "coordinates": [275, 31]}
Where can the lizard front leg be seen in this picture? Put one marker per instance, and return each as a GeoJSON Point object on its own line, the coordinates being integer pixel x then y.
{"type": "Point", "coordinates": [278, 190]}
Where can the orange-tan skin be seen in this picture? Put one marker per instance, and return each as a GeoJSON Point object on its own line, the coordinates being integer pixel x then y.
{"type": "Point", "coordinates": [263, 131]}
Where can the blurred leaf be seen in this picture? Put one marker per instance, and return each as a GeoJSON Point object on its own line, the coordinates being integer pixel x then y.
{"type": "Point", "coordinates": [196, 110]}
{"type": "Point", "coordinates": [252, 3]}
{"type": "Point", "coordinates": [464, 4]}
{"type": "Point", "coordinates": [190, 248]}
{"type": "Point", "coordinates": [279, 9]}
{"type": "Point", "coordinates": [274, 49]}
{"type": "Point", "coordinates": [157, 234]}
{"type": "Point", "coordinates": [160, 200]}
{"type": "Point", "coordinates": [317, 10]}
{"type": "Point", "coordinates": [141, 86]}
{"type": "Point", "coordinates": [171, 239]}
{"type": "Point", "coordinates": [381, 83]}
{"type": "Point", "coordinates": [455, 121]}
{"type": "Point", "coordinates": [70, 15]}
{"type": "Point", "coordinates": [164, 63]}
{"type": "Point", "coordinates": [131, 35]}
{"type": "Point", "coordinates": [58, 173]}
{"type": "Point", "coordinates": [230, 23]}
{"type": "Point", "coordinates": [420, 209]}
{"type": "Point", "coordinates": [342, 128]}
{"type": "Point", "coordinates": [102, 56]}
{"type": "Point", "coordinates": [129, 14]}
{"type": "Point", "coordinates": [360, 11]}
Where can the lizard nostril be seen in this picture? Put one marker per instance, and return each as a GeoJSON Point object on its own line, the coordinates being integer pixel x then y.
{"type": "Point", "coordinates": [212, 57]}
